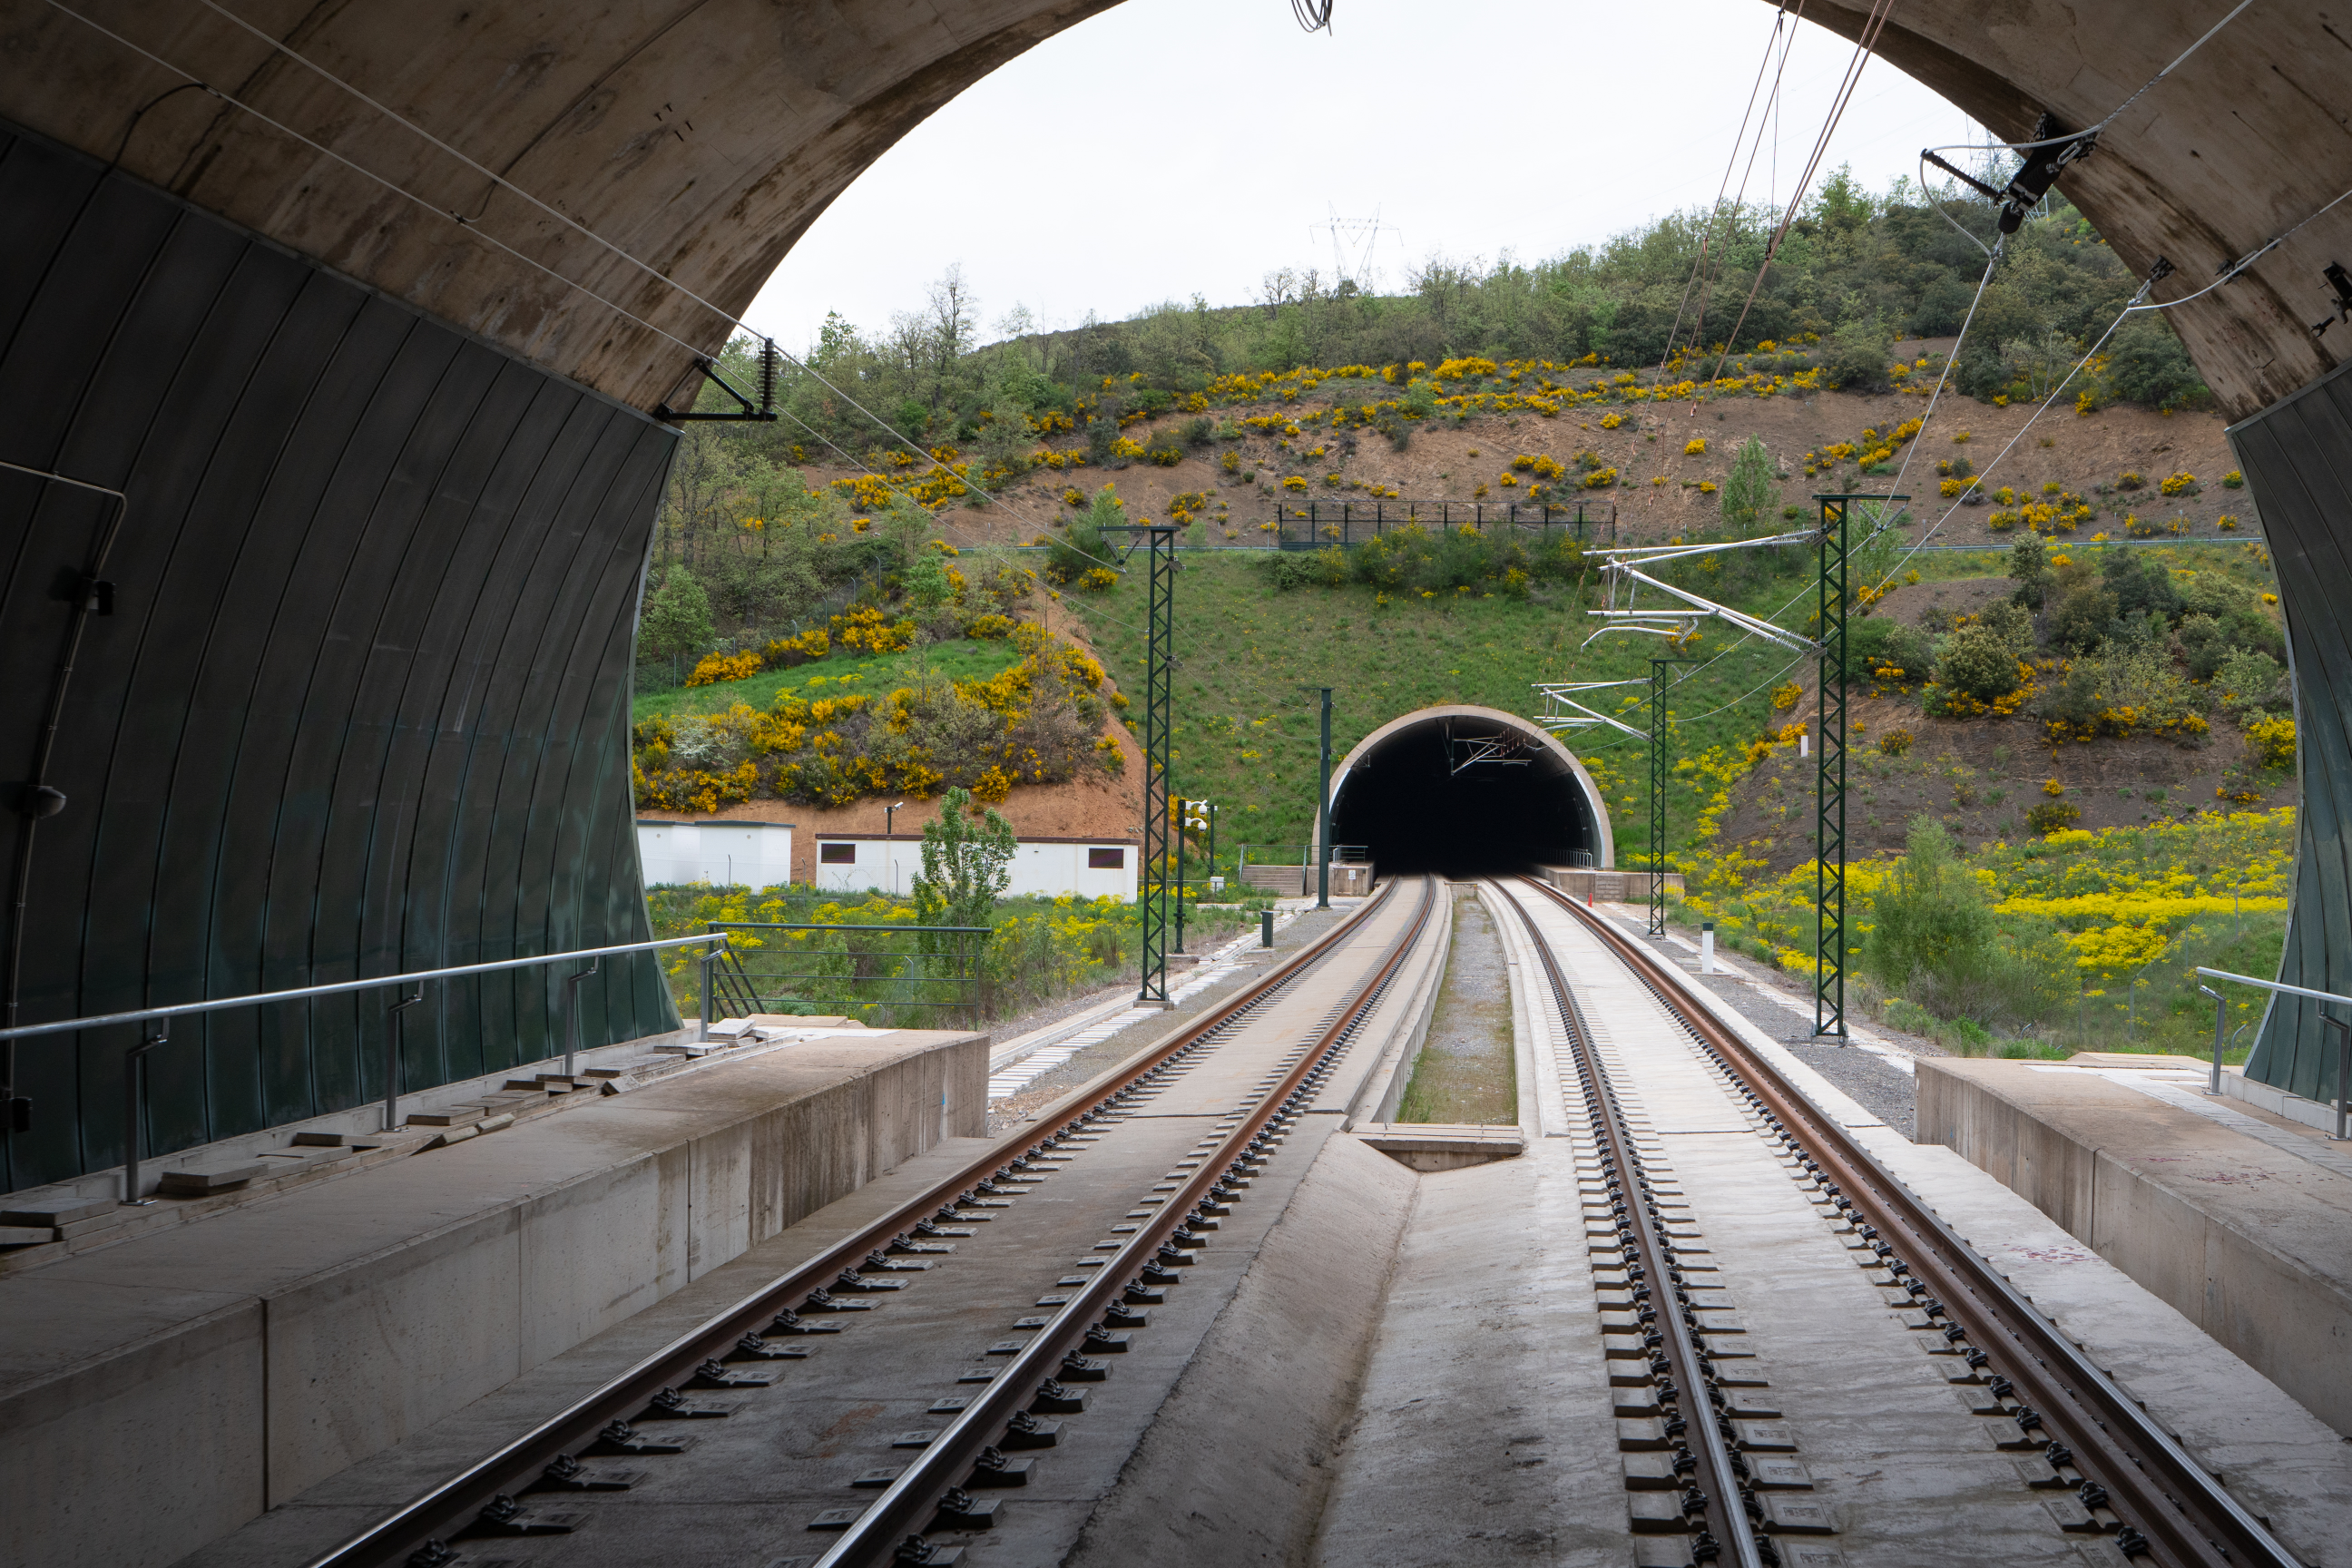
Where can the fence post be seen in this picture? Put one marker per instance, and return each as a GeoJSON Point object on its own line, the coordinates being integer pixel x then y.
{"type": "Point", "coordinates": [134, 1067]}
{"type": "Point", "coordinates": [2343, 1065]}
{"type": "Point", "coordinates": [395, 1036]}
{"type": "Point", "coordinates": [702, 1024]}
{"type": "Point", "coordinates": [571, 1016]}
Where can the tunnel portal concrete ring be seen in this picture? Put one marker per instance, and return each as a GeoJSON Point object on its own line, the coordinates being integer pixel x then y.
{"type": "Point", "coordinates": [1551, 806]}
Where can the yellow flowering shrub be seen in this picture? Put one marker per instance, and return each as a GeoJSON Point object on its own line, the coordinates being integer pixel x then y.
{"type": "Point", "coordinates": [2178, 484]}
{"type": "Point", "coordinates": [2271, 741]}
{"type": "Point", "coordinates": [717, 666]}
{"type": "Point", "coordinates": [1696, 447]}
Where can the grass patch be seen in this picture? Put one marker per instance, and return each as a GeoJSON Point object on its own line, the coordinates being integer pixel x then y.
{"type": "Point", "coordinates": [1245, 711]}
{"type": "Point", "coordinates": [876, 675]}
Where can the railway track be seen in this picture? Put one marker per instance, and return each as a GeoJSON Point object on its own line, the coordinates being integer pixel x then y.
{"type": "Point", "coordinates": [1715, 1473]}
{"type": "Point", "coordinates": [884, 1398]}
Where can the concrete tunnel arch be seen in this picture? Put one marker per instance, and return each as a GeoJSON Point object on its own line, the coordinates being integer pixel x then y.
{"type": "Point", "coordinates": [1460, 789]}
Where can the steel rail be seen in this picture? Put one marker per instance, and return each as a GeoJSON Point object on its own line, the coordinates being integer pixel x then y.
{"type": "Point", "coordinates": [2186, 1517]}
{"type": "Point", "coordinates": [1725, 1510]}
{"type": "Point", "coordinates": [908, 1501]}
{"type": "Point", "coordinates": [452, 1502]}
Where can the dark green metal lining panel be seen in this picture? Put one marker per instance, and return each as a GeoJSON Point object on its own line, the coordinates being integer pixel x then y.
{"type": "Point", "coordinates": [2297, 458]}
{"type": "Point", "coordinates": [364, 704]}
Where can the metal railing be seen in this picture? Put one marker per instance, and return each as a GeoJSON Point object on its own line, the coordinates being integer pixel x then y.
{"type": "Point", "coordinates": [134, 1058]}
{"type": "Point", "coordinates": [2343, 1028]}
{"type": "Point", "coordinates": [1315, 524]}
{"type": "Point", "coordinates": [1341, 854]}
{"type": "Point", "coordinates": [864, 985]}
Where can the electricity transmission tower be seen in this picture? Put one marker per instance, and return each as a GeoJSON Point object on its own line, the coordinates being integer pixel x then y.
{"type": "Point", "coordinates": [1353, 241]}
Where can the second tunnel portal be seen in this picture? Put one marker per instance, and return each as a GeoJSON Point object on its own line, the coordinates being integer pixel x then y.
{"type": "Point", "coordinates": [1462, 790]}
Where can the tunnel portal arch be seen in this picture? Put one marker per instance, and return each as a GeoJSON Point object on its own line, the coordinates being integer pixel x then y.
{"type": "Point", "coordinates": [1461, 789]}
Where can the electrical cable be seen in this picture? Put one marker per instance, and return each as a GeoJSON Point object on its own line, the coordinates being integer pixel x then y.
{"type": "Point", "coordinates": [2043, 407]}
{"type": "Point", "coordinates": [1698, 266]}
{"type": "Point", "coordinates": [1865, 44]}
{"type": "Point", "coordinates": [1314, 15]}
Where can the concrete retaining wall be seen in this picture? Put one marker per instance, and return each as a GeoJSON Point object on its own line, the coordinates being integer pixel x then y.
{"type": "Point", "coordinates": [2245, 1241]}
{"type": "Point", "coordinates": [157, 1394]}
{"type": "Point", "coordinates": [1608, 887]}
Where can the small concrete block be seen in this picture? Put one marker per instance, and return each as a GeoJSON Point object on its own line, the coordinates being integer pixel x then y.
{"type": "Point", "coordinates": [1798, 1516]}
{"type": "Point", "coordinates": [1650, 1473]}
{"type": "Point", "coordinates": [2071, 1515]}
{"type": "Point", "coordinates": [311, 1153]}
{"type": "Point", "coordinates": [1639, 1436]}
{"type": "Point", "coordinates": [1764, 1436]}
{"type": "Point", "coordinates": [456, 1116]}
{"type": "Point", "coordinates": [319, 1141]}
{"type": "Point", "coordinates": [1751, 1408]}
{"type": "Point", "coordinates": [115, 1214]}
{"type": "Point", "coordinates": [196, 1184]}
{"type": "Point", "coordinates": [1794, 1556]}
{"type": "Point", "coordinates": [2037, 1473]}
{"type": "Point", "coordinates": [70, 1213]}
{"type": "Point", "coordinates": [1656, 1514]}
{"type": "Point", "coordinates": [27, 1235]}
{"type": "Point", "coordinates": [2007, 1433]}
{"type": "Point", "coordinates": [603, 1072]}
{"type": "Point", "coordinates": [1978, 1400]}
{"type": "Point", "coordinates": [1624, 1347]}
{"type": "Point", "coordinates": [1642, 1401]}
{"type": "Point", "coordinates": [1713, 1322]}
{"type": "Point", "coordinates": [1657, 1554]}
{"type": "Point", "coordinates": [497, 1124]}
{"type": "Point", "coordinates": [454, 1135]}
{"type": "Point", "coordinates": [1780, 1475]}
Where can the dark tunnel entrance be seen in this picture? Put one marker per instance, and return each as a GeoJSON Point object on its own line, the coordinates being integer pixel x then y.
{"type": "Point", "coordinates": [1465, 791]}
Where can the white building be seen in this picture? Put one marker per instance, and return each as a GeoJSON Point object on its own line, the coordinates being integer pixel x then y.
{"type": "Point", "coordinates": [760, 855]}
{"type": "Point", "coordinates": [723, 853]}
{"type": "Point", "coordinates": [1053, 867]}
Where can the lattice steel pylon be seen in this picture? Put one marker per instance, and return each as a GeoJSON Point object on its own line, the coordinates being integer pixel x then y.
{"type": "Point", "coordinates": [1829, 775]}
{"type": "Point", "coordinates": [1158, 540]}
{"type": "Point", "coordinates": [1659, 773]}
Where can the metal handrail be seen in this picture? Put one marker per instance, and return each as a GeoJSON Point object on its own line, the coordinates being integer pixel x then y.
{"type": "Point", "coordinates": [2342, 1028]}
{"type": "Point", "coordinates": [2277, 985]}
{"type": "Point", "coordinates": [132, 1058]}
{"type": "Point", "coordinates": [222, 1003]}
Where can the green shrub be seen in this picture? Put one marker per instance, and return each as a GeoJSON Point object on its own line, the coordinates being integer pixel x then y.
{"type": "Point", "coordinates": [2202, 645]}
{"type": "Point", "coordinates": [2251, 683]}
{"type": "Point", "coordinates": [2050, 815]}
{"type": "Point", "coordinates": [1858, 356]}
{"type": "Point", "coordinates": [1935, 938]}
{"type": "Point", "coordinates": [2146, 363]}
{"type": "Point", "coordinates": [2082, 618]}
{"type": "Point", "coordinates": [678, 617]}
{"type": "Point", "coordinates": [1751, 489]}
{"type": "Point", "coordinates": [1977, 661]}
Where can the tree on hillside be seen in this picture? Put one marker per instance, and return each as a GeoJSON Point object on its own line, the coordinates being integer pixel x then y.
{"type": "Point", "coordinates": [1752, 490]}
{"type": "Point", "coordinates": [678, 617]}
{"type": "Point", "coordinates": [967, 864]}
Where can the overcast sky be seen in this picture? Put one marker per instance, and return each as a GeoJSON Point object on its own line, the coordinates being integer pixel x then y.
{"type": "Point", "coordinates": [1173, 146]}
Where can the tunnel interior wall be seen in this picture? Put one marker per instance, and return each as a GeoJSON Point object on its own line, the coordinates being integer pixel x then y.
{"type": "Point", "coordinates": [362, 703]}
{"type": "Point", "coordinates": [2297, 458]}
{"type": "Point", "coordinates": [1403, 799]}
